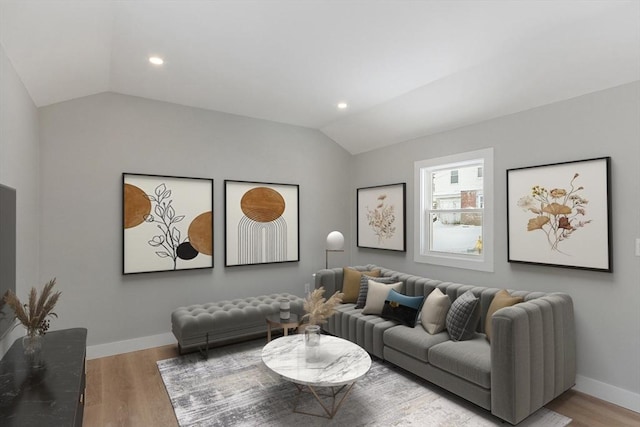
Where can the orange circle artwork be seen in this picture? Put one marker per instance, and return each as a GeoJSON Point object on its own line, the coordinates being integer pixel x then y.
{"type": "Point", "coordinates": [200, 233]}
{"type": "Point", "coordinates": [262, 204]}
{"type": "Point", "coordinates": [136, 206]}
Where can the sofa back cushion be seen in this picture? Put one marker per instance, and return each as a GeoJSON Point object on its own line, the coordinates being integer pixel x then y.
{"type": "Point", "coordinates": [332, 281]}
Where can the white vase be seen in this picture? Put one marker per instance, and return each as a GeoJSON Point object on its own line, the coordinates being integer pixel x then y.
{"type": "Point", "coordinates": [32, 345]}
{"type": "Point", "coordinates": [285, 309]}
{"type": "Point", "coordinates": [312, 343]}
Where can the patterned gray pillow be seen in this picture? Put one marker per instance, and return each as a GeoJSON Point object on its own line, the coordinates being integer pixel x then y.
{"type": "Point", "coordinates": [364, 287]}
{"type": "Point", "coordinates": [463, 317]}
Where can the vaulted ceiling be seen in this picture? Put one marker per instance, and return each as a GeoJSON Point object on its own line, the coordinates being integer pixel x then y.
{"type": "Point", "coordinates": [405, 68]}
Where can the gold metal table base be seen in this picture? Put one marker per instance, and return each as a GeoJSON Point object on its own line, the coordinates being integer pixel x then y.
{"type": "Point", "coordinates": [328, 413]}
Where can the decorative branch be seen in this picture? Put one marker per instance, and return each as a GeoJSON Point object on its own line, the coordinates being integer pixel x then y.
{"type": "Point", "coordinates": [34, 315]}
{"type": "Point", "coordinates": [166, 218]}
{"type": "Point", "coordinates": [318, 308]}
{"type": "Point", "coordinates": [382, 219]}
{"type": "Point", "coordinates": [559, 212]}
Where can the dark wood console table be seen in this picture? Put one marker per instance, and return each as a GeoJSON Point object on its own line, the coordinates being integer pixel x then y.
{"type": "Point", "coordinates": [52, 395]}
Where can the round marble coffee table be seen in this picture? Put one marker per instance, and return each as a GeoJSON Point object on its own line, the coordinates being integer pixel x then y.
{"type": "Point", "coordinates": [339, 364]}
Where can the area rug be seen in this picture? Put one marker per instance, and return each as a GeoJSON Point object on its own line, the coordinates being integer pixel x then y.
{"type": "Point", "coordinates": [234, 388]}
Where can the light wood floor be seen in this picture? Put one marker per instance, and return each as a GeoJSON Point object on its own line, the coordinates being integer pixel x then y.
{"type": "Point", "coordinates": [126, 390]}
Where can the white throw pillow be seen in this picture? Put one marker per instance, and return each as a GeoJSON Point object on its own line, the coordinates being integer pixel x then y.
{"type": "Point", "coordinates": [376, 296]}
{"type": "Point", "coordinates": [434, 311]}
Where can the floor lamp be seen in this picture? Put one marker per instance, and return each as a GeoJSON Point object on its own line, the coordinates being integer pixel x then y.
{"type": "Point", "coordinates": [335, 243]}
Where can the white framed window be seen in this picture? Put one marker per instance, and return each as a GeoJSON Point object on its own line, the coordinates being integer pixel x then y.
{"type": "Point", "coordinates": [455, 219]}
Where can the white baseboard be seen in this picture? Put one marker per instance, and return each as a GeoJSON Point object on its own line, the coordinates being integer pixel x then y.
{"type": "Point", "coordinates": [616, 395]}
{"type": "Point", "coordinates": [135, 344]}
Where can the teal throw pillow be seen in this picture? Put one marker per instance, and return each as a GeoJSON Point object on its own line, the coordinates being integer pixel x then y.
{"type": "Point", "coordinates": [402, 308]}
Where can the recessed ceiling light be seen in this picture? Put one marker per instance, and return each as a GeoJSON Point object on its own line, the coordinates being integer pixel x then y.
{"type": "Point", "coordinates": [342, 105]}
{"type": "Point", "coordinates": [156, 60]}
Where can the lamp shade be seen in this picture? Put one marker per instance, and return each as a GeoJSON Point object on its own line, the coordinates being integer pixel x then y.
{"type": "Point", "coordinates": [335, 241]}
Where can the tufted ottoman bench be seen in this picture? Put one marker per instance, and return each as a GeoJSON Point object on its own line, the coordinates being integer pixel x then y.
{"type": "Point", "coordinates": [201, 326]}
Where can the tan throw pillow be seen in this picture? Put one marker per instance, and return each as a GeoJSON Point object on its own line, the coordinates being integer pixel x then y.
{"type": "Point", "coordinates": [351, 283]}
{"type": "Point", "coordinates": [500, 300]}
{"type": "Point", "coordinates": [377, 295]}
{"type": "Point", "coordinates": [434, 311]}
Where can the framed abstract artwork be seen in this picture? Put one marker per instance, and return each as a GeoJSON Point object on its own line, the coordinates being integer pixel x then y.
{"type": "Point", "coordinates": [167, 223]}
{"type": "Point", "coordinates": [262, 224]}
{"type": "Point", "coordinates": [559, 215]}
{"type": "Point", "coordinates": [381, 217]}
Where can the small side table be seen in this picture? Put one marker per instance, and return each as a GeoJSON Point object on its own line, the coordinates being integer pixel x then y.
{"type": "Point", "coordinates": [274, 321]}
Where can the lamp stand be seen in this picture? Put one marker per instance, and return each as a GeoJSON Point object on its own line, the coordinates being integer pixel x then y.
{"type": "Point", "coordinates": [327, 255]}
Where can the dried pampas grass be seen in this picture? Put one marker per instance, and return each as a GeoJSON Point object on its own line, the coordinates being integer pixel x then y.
{"type": "Point", "coordinates": [320, 309]}
{"type": "Point", "coordinates": [33, 315]}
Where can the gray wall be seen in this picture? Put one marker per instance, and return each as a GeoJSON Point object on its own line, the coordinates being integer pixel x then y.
{"type": "Point", "coordinates": [19, 168]}
{"type": "Point", "coordinates": [69, 208]}
{"type": "Point", "coordinates": [86, 146]}
{"type": "Point", "coordinates": [607, 306]}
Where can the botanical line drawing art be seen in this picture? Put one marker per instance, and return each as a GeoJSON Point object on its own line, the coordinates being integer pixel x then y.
{"type": "Point", "coordinates": [261, 222]}
{"type": "Point", "coordinates": [154, 234]}
{"type": "Point", "coordinates": [382, 219]}
{"type": "Point", "coordinates": [168, 241]}
{"type": "Point", "coordinates": [559, 212]}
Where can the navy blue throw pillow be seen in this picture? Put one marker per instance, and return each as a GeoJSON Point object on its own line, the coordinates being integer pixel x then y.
{"type": "Point", "coordinates": [402, 308]}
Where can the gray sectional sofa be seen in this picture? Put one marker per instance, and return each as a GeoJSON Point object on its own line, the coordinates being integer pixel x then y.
{"type": "Point", "coordinates": [530, 360]}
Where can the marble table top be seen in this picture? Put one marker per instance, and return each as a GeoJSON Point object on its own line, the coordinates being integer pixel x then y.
{"type": "Point", "coordinates": [339, 361]}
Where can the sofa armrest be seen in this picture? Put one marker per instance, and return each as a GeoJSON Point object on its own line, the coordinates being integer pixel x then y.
{"type": "Point", "coordinates": [331, 279]}
{"type": "Point", "coordinates": [533, 355]}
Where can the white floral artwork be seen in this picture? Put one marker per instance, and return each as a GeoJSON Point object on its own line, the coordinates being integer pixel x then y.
{"type": "Point", "coordinates": [381, 217]}
{"type": "Point", "coordinates": [559, 215]}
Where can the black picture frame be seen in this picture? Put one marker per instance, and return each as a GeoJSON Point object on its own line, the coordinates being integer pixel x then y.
{"type": "Point", "coordinates": [262, 223]}
{"type": "Point", "coordinates": [382, 217]}
{"type": "Point", "coordinates": [559, 215]}
{"type": "Point", "coordinates": [167, 223]}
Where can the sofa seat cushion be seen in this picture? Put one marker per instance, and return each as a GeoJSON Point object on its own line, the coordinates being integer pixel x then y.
{"type": "Point", "coordinates": [343, 308]}
{"type": "Point", "coordinates": [414, 342]}
{"type": "Point", "coordinates": [365, 330]}
{"type": "Point", "coordinates": [470, 359]}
